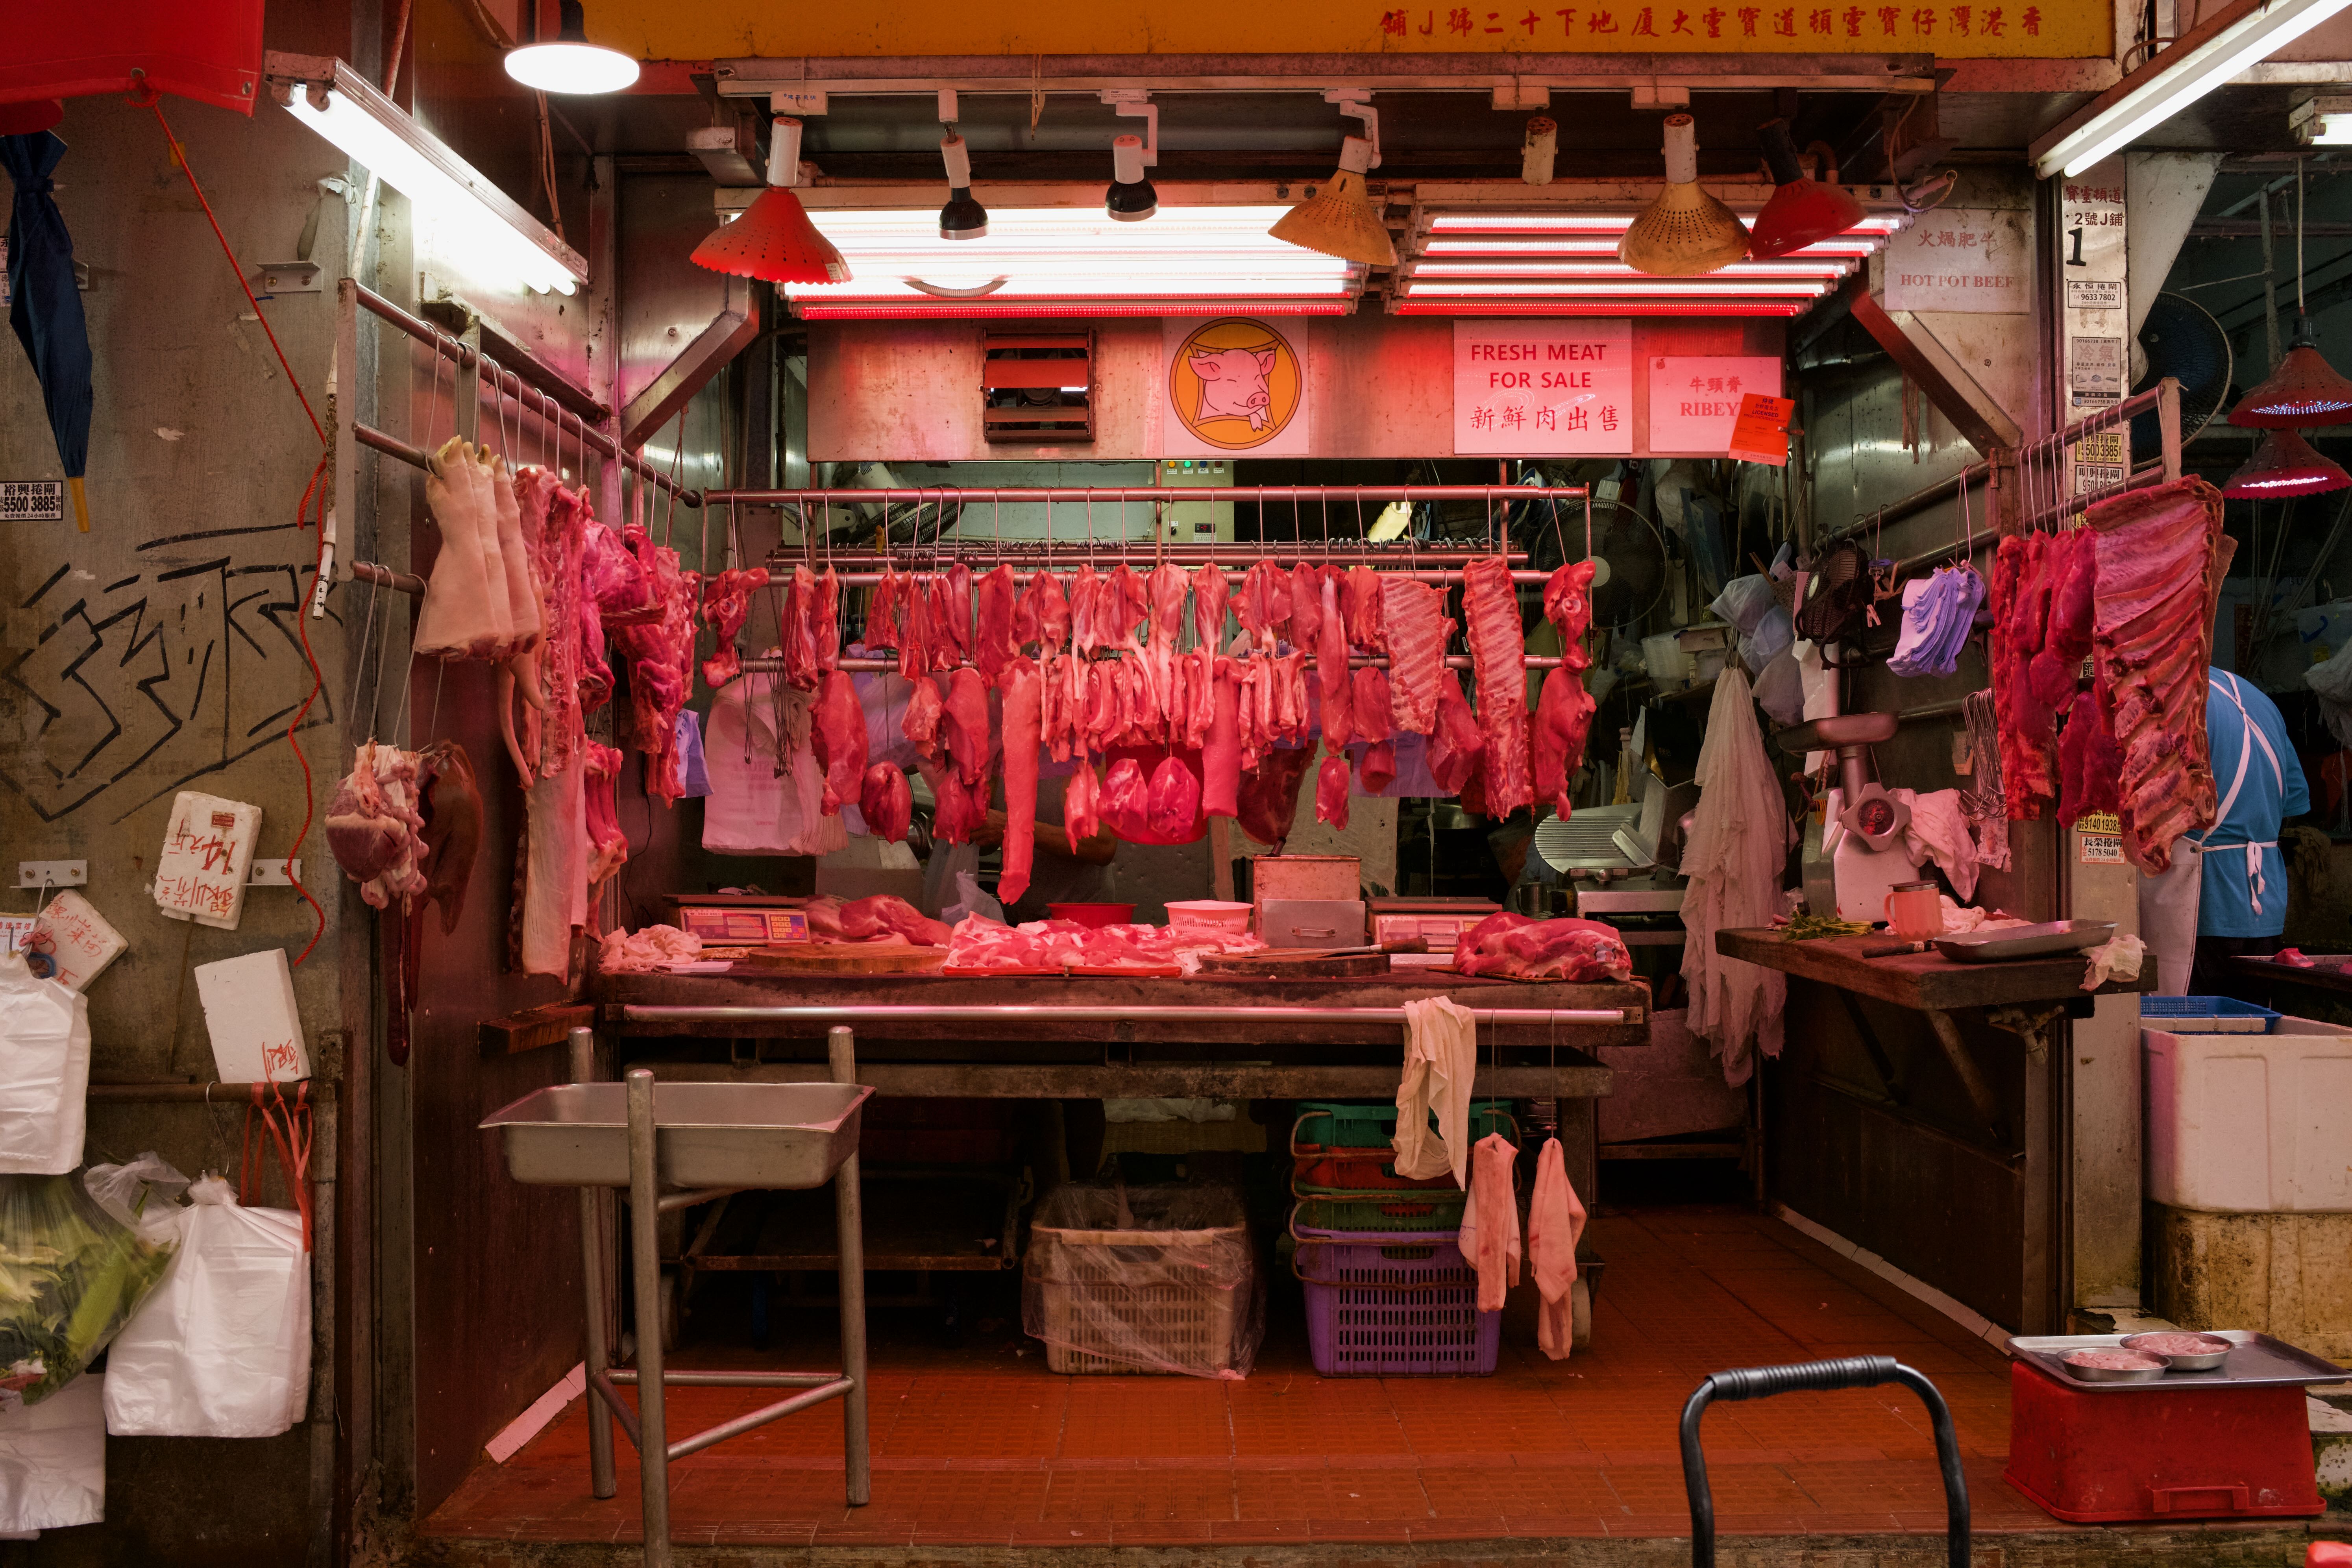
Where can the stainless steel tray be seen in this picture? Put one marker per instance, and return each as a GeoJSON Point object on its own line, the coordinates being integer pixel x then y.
{"type": "Point", "coordinates": [2255, 1361]}
{"type": "Point", "coordinates": [2024, 941]}
{"type": "Point", "coordinates": [774, 1135]}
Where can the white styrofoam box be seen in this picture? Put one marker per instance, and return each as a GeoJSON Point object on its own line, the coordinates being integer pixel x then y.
{"type": "Point", "coordinates": [76, 939]}
{"type": "Point", "coordinates": [250, 1011]}
{"type": "Point", "coordinates": [2250, 1123]}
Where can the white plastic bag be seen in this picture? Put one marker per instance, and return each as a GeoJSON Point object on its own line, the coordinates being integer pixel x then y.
{"type": "Point", "coordinates": [222, 1349]}
{"type": "Point", "coordinates": [44, 1071]}
{"type": "Point", "coordinates": [970, 901]}
{"type": "Point", "coordinates": [53, 1459]}
{"type": "Point", "coordinates": [143, 1194]}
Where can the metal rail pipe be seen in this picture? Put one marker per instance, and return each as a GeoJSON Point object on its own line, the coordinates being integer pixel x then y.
{"type": "Point", "coordinates": [1439, 575]}
{"type": "Point", "coordinates": [1073, 552]}
{"type": "Point", "coordinates": [1014, 1012]}
{"type": "Point", "coordinates": [1114, 494]}
{"type": "Point", "coordinates": [856, 666]}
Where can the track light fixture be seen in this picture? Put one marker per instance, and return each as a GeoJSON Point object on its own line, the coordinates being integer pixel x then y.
{"type": "Point", "coordinates": [1131, 198]}
{"type": "Point", "coordinates": [963, 217]}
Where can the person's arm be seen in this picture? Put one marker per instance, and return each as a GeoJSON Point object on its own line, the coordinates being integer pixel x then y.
{"type": "Point", "coordinates": [1095, 851]}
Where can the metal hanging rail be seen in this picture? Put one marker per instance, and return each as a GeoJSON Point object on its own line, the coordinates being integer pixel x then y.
{"type": "Point", "coordinates": [508, 383]}
{"type": "Point", "coordinates": [1015, 1012]}
{"type": "Point", "coordinates": [862, 666]}
{"type": "Point", "coordinates": [1114, 494]}
{"type": "Point", "coordinates": [1233, 579]}
{"type": "Point", "coordinates": [1071, 553]}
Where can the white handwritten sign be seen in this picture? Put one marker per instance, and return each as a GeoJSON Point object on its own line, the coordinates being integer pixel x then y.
{"type": "Point", "coordinates": [1695, 403]}
{"type": "Point", "coordinates": [76, 938]}
{"type": "Point", "coordinates": [1969, 260]}
{"type": "Point", "coordinates": [207, 853]}
{"type": "Point", "coordinates": [249, 1012]}
{"type": "Point", "coordinates": [1543, 388]}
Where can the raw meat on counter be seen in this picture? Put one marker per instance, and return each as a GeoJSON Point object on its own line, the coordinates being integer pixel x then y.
{"type": "Point", "coordinates": [883, 917]}
{"type": "Point", "coordinates": [980, 944]}
{"type": "Point", "coordinates": [1498, 665]}
{"type": "Point", "coordinates": [1514, 947]}
{"type": "Point", "coordinates": [2159, 577]}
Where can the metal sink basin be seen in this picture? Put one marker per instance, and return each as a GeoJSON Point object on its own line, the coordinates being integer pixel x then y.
{"type": "Point", "coordinates": [1837, 730]}
{"type": "Point", "coordinates": [777, 1135]}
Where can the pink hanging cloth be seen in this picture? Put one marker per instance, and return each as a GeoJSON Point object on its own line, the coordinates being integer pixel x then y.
{"type": "Point", "coordinates": [1555, 1221]}
{"type": "Point", "coordinates": [1490, 1219]}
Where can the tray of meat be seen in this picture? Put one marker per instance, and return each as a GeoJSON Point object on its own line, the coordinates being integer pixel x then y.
{"type": "Point", "coordinates": [2024, 941]}
{"type": "Point", "coordinates": [1126, 971]}
{"type": "Point", "coordinates": [2253, 1360]}
{"type": "Point", "coordinates": [2182, 1350]}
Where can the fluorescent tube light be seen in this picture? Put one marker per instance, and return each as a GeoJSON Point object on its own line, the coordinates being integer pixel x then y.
{"type": "Point", "coordinates": [472, 218]}
{"type": "Point", "coordinates": [2204, 58]}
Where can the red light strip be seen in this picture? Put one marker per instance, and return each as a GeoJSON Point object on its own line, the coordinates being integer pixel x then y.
{"type": "Point", "coordinates": [1726, 306]}
{"type": "Point", "coordinates": [912, 309]}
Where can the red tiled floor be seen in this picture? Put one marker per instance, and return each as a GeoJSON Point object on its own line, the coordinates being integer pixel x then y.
{"type": "Point", "coordinates": [980, 1446]}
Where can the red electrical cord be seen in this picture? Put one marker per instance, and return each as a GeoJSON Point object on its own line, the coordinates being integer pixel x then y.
{"type": "Point", "coordinates": [148, 99]}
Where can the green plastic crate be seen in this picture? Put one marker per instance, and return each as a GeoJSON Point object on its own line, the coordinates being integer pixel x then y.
{"type": "Point", "coordinates": [1382, 1212]}
{"type": "Point", "coordinates": [1329, 1124]}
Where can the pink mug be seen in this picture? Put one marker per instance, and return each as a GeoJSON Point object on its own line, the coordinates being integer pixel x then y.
{"type": "Point", "coordinates": [1913, 910]}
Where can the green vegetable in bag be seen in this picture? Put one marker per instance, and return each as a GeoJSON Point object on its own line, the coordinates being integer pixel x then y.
{"type": "Point", "coordinates": [70, 1276]}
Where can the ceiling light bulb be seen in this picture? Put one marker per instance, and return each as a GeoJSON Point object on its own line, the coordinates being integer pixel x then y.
{"type": "Point", "coordinates": [571, 64]}
{"type": "Point", "coordinates": [1130, 198]}
{"type": "Point", "coordinates": [2323, 122]}
{"type": "Point", "coordinates": [962, 217]}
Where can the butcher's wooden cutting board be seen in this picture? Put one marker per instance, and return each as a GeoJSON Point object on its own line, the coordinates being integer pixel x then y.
{"type": "Point", "coordinates": [1295, 963]}
{"type": "Point", "coordinates": [843, 958]}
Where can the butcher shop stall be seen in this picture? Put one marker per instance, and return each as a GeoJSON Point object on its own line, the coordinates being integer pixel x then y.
{"type": "Point", "coordinates": [1076, 791]}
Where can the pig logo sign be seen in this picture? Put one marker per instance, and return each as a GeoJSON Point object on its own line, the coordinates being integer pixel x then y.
{"type": "Point", "coordinates": [1235, 386]}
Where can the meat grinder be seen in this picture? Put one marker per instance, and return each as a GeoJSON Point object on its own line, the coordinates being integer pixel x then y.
{"type": "Point", "coordinates": [1856, 853]}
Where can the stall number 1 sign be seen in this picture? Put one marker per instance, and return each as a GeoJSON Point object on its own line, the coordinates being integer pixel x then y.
{"type": "Point", "coordinates": [1537, 389]}
{"type": "Point", "coordinates": [2095, 304]}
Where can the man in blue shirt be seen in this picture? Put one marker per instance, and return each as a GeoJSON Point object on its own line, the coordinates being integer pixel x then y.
{"type": "Point", "coordinates": [2239, 883]}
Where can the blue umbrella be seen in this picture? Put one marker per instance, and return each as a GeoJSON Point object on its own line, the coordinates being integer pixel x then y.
{"type": "Point", "coordinates": [45, 308]}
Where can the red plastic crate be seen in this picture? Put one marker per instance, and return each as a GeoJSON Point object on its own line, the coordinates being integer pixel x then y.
{"type": "Point", "coordinates": [2150, 1454]}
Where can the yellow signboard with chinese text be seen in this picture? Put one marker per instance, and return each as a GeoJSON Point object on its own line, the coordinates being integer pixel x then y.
{"type": "Point", "coordinates": [722, 30]}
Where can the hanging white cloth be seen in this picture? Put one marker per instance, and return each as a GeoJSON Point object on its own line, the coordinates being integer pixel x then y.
{"type": "Point", "coordinates": [1441, 1057]}
{"type": "Point", "coordinates": [1737, 847]}
{"type": "Point", "coordinates": [1555, 1221]}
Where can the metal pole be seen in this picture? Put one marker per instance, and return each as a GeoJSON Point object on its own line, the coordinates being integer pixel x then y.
{"type": "Point", "coordinates": [841, 1051]}
{"type": "Point", "coordinates": [645, 1265]}
{"type": "Point", "coordinates": [2270, 288]}
{"type": "Point", "coordinates": [592, 1289]}
{"type": "Point", "coordinates": [1073, 495]}
{"type": "Point", "coordinates": [1048, 1012]}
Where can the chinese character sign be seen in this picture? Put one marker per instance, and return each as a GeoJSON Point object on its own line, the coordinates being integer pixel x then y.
{"type": "Point", "coordinates": [1968, 260]}
{"type": "Point", "coordinates": [1695, 403]}
{"type": "Point", "coordinates": [207, 853]}
{"type": "Point", "coordinates": [1537, 389]}
{"type": "Point", "coordinates": [1952, 29]}
{"type": "Point", "coordinates": [2093, 307]}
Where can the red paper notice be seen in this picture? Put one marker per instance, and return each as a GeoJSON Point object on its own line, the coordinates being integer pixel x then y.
{"type": "Point", "coordinates": [1761, 433]}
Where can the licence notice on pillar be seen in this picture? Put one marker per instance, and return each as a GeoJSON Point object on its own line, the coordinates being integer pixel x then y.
{"type": "Point", "coordinates": [1537, 389]}
{"type": "Point", "coordinates": [2095, 307]}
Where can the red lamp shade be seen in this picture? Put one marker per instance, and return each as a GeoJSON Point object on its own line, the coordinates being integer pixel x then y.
{"type": "Point", "coordinates": [774, 241]}
{"type": "Point", "coordinates": [2285, 465]}
{"type": "Point", "coordinates": [2304, 390]}
{"type": "Point", "coordinates": [1803, 211]}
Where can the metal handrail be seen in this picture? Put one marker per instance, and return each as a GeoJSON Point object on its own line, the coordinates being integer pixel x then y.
{"type": "Point", "coordinates": [1018, 1012]}
{"type": "Point", "coordinates": [1114, 494]}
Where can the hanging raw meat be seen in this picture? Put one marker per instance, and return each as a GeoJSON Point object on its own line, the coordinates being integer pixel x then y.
{"type": "Point", "coordinates": [1331, 780]}
{"type": "Point", "coordinates": [2026, 726]}
{"type": "Point", "coordinates": [965, 724]}
{"type": "Point", "coordinates": [726, 601]}
{"type": "Point", "coordinates": [882, 609]}
{"type": "Point", "coordinates": [1456, 743]}
{"type": "Point", "coordinates": [920, 724]}
{"type": "Point", "coordinates": [1563, 716]}
{"type": "Point", "coordinates": [955, 623]}
{"type": "Point", "coordinates": [1369, 706]}
{"type": "Point", "coordinates": [598, 548]}
{"type": "Point", "coordinates": [464, 614]}
{"type": "Point", "coordinates": [2159, 576]}
{"type": "Point", "coordinates": [373, 829]}
{"type": "Point", "coordinates": [1173, 804]}
{"type": "Point", "coordinates": [948, 632]}
{"type": "Point", "coordinates": [1264, 605]}
{"type": "Point", "coordinates": [1125, 602]}
{"type": "Point", "coordinates": [1126, 794]}
{"type": "Point", "coordinates": [608, 845]}
{"type": "Point", "coordinates": [661, 664]}
{"type": "Point", "coordinates": [2073, 575]}
{"type": "Point", "coordinates": [1498, 666]}
{"type": "Point", "coordinates": [1337, 683]}
{"type": "Point", "coordinates": [1087, 615]}
{"type": "Point", "coordinates": [1414, 630]}
{"type": "Point", "coordinates": [916, 658]}
{"type": "Point", "coordinates": [1568, 605]}
{"type": "Point", "coordinates": [1048, 612]}
{"type": "Point", "coordinates": [1221, 757]}
{"type": "Point", "coordinates": [993, 640]}
{"type": "Point", "coordinates": [1269, 795]}
{"type": "Point", "coordinates": [2090, 765]}
{"type": "Point", "coordinates": [453, 828]}
{"type": "Point", "coordinates": [1199, 696]}
{"type": "Point", "coordinates": [1081, 799]}
{"type": "Point", "coordinates": [555, 870]}
{"type": "Point", "coordinates": [1361, 600]}
{"type": "Point", "coordinates": [1210, 593]}
{"type": "Point", "coordinates": [838, 736]}
{"type": "Point", "coordinates": [516, 567]}
{"type": "Point", "coordinates": [886, 802]}
{"type": "Point", "coordinates": [798, 632]}
{"type": "Point", "coordinates": [612, 575]}
{"type": "Point", "coordinates": [825, 621]}
{"type": "Point", "coordinates": [1378, 768]}
{"type": "Point", "coordinates": [1306, 606]}
{"type": "Point", "coordinates": [555, 524]}
{"type": "Point", "coordinates": [1024, 696]}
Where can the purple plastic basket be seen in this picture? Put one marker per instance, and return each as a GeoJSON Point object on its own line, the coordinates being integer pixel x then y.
{"type": "Point", "coordinates": [1394, 1304]}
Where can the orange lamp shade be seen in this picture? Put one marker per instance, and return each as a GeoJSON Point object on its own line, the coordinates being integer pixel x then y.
{"type": "Point", "coordinates": [774, 241]}
{"type": "Point", "coordinates": [2304, 390]}
{"type": "Point", "coordinates": [2284, 464]}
